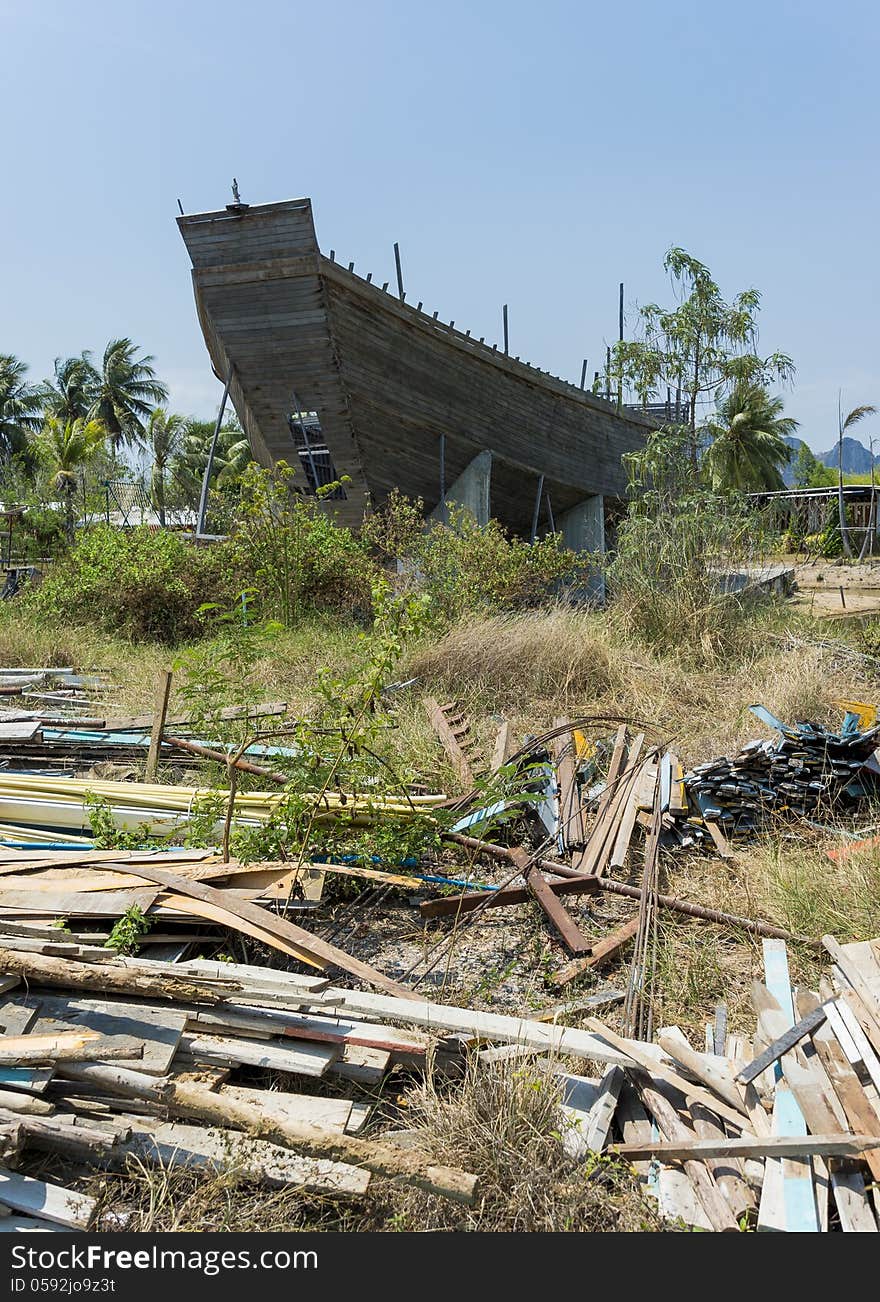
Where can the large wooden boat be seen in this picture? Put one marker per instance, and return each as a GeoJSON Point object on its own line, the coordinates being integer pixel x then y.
{"type": "Point", "coordinates": [337, 376]}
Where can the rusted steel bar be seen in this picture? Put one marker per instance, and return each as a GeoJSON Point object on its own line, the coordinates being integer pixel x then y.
{"type": "Point", "coordinates": [445, 905]}
{"type": "Point", "coordinates": [503, 852]}
{"type": "Point", "coordinates": [753, 925]}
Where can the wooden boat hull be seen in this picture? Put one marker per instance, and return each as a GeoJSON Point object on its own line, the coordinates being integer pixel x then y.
{"type": "Point", "coordinates": [401, 399]}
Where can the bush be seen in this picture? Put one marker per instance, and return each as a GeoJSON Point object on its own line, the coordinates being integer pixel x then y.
{"type": "Point", "coordinates": [296, 557]}
{"type": "Point", "coordinates": [468, 569]}
{"type": "Point", "coordinates": [141, 584]}
{"type": "Point", "coordinates": [829, 543]}
{"type": "Point", "coordinates": [42, 526]}
{"type": "Point", "coordinates": [667, 577]}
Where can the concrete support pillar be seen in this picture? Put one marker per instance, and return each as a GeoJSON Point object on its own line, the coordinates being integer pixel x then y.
{"type": "Point", "coordinates": [471, 490]}
{"type": "Point", "coordinates": [583, 530]}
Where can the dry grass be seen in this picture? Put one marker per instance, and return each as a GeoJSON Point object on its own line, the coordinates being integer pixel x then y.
{"type": "Point", "coordinates": [503, 1124]}
{"type": "Point", "coordinates": [533, 666]}
{"type": "Point", "coordinates": [558, 654]}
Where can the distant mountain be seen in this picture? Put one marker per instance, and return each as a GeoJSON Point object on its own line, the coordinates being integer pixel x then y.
{"type": "Point", "coordinates": [788, 470]}
{"type": "Point", "coordinates": [856, 457]}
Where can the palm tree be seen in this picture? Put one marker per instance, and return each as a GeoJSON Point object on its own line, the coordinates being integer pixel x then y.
{"type": "Point", "coordinates": [20, 405]}
{"type": "Point", "coordinates": [66, 446]}
{"type": "Point", "coordinates": [843, 424]}
{"type": "Point", "coordinates": [748, 440]}
{"type": "Point", "coordinates": [164, 437]}
{"type": "Point", "coordinates": [72, 393]}
{"type": "Point", "coordinates": [232, 455]}
{"type": "Point", "coordinates": [126, 392]}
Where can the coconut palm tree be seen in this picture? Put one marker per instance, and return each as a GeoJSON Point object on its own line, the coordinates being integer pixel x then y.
{"type": "Point", "coordinates": [71, 394]}
{"type": "Point", "coordinates": [66, 446]}
{"type": "Point", "coordinates": [20, 405]}
{"type": "Point", "coordinates": [843, 424]}
{"type": "Point", "coordinates": [232, 455]}
{"type": "Point", "coordinates": [164, 438]}
{"type": "Point", "coordinates": [748, 440]}
{"type": "Point", "coordinates": [125, 393]}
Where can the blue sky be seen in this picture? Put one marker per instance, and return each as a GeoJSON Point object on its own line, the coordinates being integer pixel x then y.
{"type": "Point", "coordinates": [520, 153]}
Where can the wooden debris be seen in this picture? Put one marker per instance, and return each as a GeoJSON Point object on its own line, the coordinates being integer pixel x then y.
{"type": "Point", "coordinates": [562, 922]}
{"type": "Point", "coordinates": [600, 952]}
{"type": "Point", "coordinates": [452, 726]}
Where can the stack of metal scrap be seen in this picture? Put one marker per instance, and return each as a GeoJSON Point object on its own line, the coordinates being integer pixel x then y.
{"type": "Point", "coordinates": [805, 768]}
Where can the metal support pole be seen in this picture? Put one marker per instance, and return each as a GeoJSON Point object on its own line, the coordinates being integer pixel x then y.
{"type": "Point", "coordinates": [203, 499]}
{"type": "Point", "coordinates": [537, 511]}
{"type": "Point", "coordinates": [307, 442]}
{"type": "Point", "coordinates": [399, 272]}
{"type": "Point", "coordinates": [620, 337]}
{"type": "Point", "coordinates": [506, 338]}
{"type": "Point", "coordinates": [584, 373]}
{"type": "Point", "coordinates": [550, 514]}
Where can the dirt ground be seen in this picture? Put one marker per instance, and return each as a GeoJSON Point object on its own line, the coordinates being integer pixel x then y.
{"type": "Point", "coordinates": [832, 589]}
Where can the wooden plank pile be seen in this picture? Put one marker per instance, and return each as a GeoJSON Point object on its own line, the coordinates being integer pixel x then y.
{"type": "Point", "coordinates": [66, 718]}
{"type": "Point", "coordinates": [802, 770]}
{"type": "Point", "coordinates": [138, 1065]}
{"type": "Point", "coordinates": [780, 1131]}
{"type": "Point", "coordinates": [640, 806]}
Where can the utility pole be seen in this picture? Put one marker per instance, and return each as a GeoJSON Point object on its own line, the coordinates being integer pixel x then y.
{"type": "Point", "coordinates": [506, 337]}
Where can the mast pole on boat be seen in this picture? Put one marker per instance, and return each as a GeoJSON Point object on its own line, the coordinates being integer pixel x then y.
{"type": "Point", "coordinates": [400, 291]}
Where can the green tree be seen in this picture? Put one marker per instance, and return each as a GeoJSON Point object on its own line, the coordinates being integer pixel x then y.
{"type": "Point", "coordinates": [71, 394]}
{"type": "Point", "coordinates": [701, 347]}
{"type": "Point", "coordinates": [126, 392]}
{"type": "Point", "coordinates": [748, 440]}
{"type": "Point", "coordinates": [20, 407]}
{"type": "Point", "coordinates": [845, 423]}
{"type": "Point", "coordinates": [231, 459]}
{"type": "Point", "coordinates": [809, 472]}
{"type": "Point", "coordinates": [65, 447]}
{"type": "Point", "coordinates": [164, 435]}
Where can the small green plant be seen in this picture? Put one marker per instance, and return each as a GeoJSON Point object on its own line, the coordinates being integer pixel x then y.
{"type": "Point", "coordinates": [106, 834]}
{"type": "Point", "coordinates": [679, 577]}
{"type": "Point", "coordinates": [298, 558]}
{"type": "Point", "coordinates": [128, 931]}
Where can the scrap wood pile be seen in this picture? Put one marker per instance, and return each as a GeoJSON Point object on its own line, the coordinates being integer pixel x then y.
{"type": "Point", "coordinates": [589, 827]}
{"type": "Point", "coordinates": [805, 769]}
{"type": "Point", "coordinates": [105, 1060]}
{"type": "Point", "coordinates": [125, 1058]}
{"type": "Point", "coordinates": [109, 1058]}
{"type": "Point", "coordinates": [63, 718]}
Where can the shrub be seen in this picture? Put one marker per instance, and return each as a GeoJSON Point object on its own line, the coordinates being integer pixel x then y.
{"type": "Point", "coordinates": [829, 543]}
{"type": "Point", "coordinates": [669, 576]}
{"type": "Point", "coordinates": [466, 568]}
{"type": "Point", "coordinates": [43, 527]}
{"type": "Point", "coordinates": [142, 584]}
{"type": "Point", "coordinates": [295, 556]}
